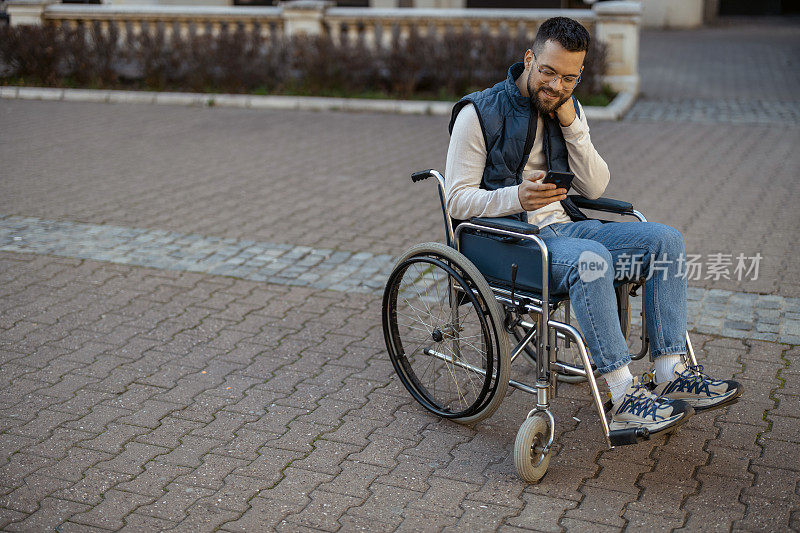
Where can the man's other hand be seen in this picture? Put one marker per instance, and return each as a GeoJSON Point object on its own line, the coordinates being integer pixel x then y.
{"type": "Point", "coordinates": [533, 195]}
{"type": "Point", "coordinates": [565, 113]}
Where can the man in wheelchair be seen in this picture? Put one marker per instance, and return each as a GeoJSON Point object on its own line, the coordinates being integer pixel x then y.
{"type": "Point", "coordinates": [503, 142]}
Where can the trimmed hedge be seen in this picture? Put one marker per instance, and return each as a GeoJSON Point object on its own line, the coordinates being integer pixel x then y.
{"type": "Point", "coordinates": [235, 61]}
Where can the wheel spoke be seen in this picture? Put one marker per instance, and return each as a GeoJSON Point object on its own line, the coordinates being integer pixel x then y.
{"type": "Point", "coordinates": [468, 372]}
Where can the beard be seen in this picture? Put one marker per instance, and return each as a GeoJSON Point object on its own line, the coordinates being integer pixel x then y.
{"type": "Point", "coordinates": [543, 106]}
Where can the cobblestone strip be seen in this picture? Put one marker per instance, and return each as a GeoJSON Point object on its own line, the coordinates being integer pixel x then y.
{"type": "Point", "coordinates": [718, 312]}
{"type": "Point", "coordinates": [744, 111]}
{"type": "Point", "coordinates": [741, 315]}
{"type": "Point", "coordinates": [283, 264]}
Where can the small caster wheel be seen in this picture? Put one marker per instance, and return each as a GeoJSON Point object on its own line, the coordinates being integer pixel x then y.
{"type": "Point", "coordinates": [529, 458]}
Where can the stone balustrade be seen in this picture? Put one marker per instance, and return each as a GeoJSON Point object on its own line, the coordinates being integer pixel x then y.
{"type": "Point", "coordinates": [616, 23]}
{"type": "Point", "coordinates": [172, 19]}
{"type": "Point", "coordinates": [380, 24]}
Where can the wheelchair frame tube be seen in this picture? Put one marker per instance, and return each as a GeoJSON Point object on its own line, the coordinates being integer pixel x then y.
{"type": "Point", "coordinates": [567, 331]}
{"type": "Point", "coordinates": [645, 346]}
{"type": "Point", "coordinates": [563, 368]}
{"type": "Point", "coordinates": [690, 350]}
{"type": "Point", "coordinates": [449, 359]}
{"type": "Point", "coordinates": [543, 375]}
{"type": "Point", "coordinates": [571, 331]}
{"type": "Point", "coordinates": [543, 363]}
{"type": "Point", "coordinates": [448, 222]}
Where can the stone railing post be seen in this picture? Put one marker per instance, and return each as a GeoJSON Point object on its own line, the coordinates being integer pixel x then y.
{"type": "Point", "coordinates": [675, 13]}
{"type": "Point", "coordinates": [618, 26]}
{"type": "Point", "coordinates": [27, 12]}
{"type": "Point", "coordinates": [304, 16]}
{"type": "Point", "coordinates": [444, 4]}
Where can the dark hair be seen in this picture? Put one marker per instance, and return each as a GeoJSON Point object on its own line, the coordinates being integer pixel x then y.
{"type": "Point", "coordinates": [565, 31]}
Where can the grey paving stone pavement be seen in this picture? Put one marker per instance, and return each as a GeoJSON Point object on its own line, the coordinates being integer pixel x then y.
{"type": "Point", "coordinates": [737, 58]}
{"type": "Point", "coordinates": [142, 398]}
{"type": "Point", "coordinates": [715, 311]}
{"type": "Point", "coordinates": [136, 394]}
{"type": "Point", "coordinates": [738, 71]}
{"type": "Point", "coordinates": [341, 181]}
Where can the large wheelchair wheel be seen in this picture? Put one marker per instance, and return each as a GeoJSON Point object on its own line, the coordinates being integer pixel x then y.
{"type": "Point", "coordinates": [444, 332]}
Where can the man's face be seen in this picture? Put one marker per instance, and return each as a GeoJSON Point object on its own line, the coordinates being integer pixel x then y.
{"type": "Point", "coordinates": [549, 95]}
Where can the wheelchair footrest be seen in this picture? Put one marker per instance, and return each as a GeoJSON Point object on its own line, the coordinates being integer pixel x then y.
{"type": "Point", "coordinates": [622, 437]}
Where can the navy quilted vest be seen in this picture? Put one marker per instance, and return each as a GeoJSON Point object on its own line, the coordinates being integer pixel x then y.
{"type": "Point", "coordinates": [508, 124]}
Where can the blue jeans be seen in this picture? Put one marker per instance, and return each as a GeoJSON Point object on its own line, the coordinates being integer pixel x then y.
{"type": "Point", "coordinates": [592, 297]}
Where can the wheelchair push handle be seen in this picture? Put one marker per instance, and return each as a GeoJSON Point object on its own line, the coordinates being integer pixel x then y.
{"type": "Point", "coordinates": [421, 175]}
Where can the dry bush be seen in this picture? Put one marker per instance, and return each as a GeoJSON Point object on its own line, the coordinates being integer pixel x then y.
{"type": "Point", "coordinates": [160, 62]}
{"type": "Point", "coordinates": [594, 67]}
{"type": "Point", "coordinates": [76, 64]}
{"type": "Point", "coordinates": [33, 53]}
{"type": "Point", "coordinates": [273, 59]}
{"type": "Point", "coordinates": [409, 64]}
{"type": "Point", "coordinates": [232, 61]}
{"type": "Point", "coordinates": [320, 65]}
{"type": "Point", "coordinates": [238, 61]}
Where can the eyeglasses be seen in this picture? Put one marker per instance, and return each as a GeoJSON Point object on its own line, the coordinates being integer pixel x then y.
{"type": "Point", "coordinates": [568, 81]}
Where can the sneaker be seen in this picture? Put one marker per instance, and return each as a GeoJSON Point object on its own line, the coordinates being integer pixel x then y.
{"type": "Point", "coordinates": [697, 389]}
{"type": "Point", "coordinates": [639, 407]}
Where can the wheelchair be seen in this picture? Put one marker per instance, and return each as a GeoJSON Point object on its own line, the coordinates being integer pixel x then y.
{"type": "Point", "coordinates": [449, 311]}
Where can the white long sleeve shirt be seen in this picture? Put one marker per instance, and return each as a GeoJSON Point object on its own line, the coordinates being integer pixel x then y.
{"type": "Point", "coordinates": [466, 157]}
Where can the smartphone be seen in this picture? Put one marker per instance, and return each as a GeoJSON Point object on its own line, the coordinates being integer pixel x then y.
{"type": "Point", "coordinates": [563, 180]}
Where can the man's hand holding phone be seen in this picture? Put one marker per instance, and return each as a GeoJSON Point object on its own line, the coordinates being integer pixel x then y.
{"type": "Point", "coordinates": [533, 195]}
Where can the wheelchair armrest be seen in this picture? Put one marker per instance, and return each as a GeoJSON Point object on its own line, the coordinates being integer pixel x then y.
{"type": "Point", "coordinates": [602, 204]}
{"type": "Point", "coordinates": [507, 224]}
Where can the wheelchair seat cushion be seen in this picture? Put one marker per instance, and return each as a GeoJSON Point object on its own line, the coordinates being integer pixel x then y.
{"type": "Point", "coordinates": [494, 256]}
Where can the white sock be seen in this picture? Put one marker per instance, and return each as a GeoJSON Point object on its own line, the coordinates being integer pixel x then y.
{"type": "Point", "coordinates": [665, 367]}
{"type": "Point", "coordinates": [618, 380]}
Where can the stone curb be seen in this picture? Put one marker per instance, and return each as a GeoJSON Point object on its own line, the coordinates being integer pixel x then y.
{"type": "Point", "coordinates": [614, 111]}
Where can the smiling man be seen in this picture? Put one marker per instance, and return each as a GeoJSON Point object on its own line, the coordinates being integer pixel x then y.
{"type": "Point", "coordinates": [503, 141]}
